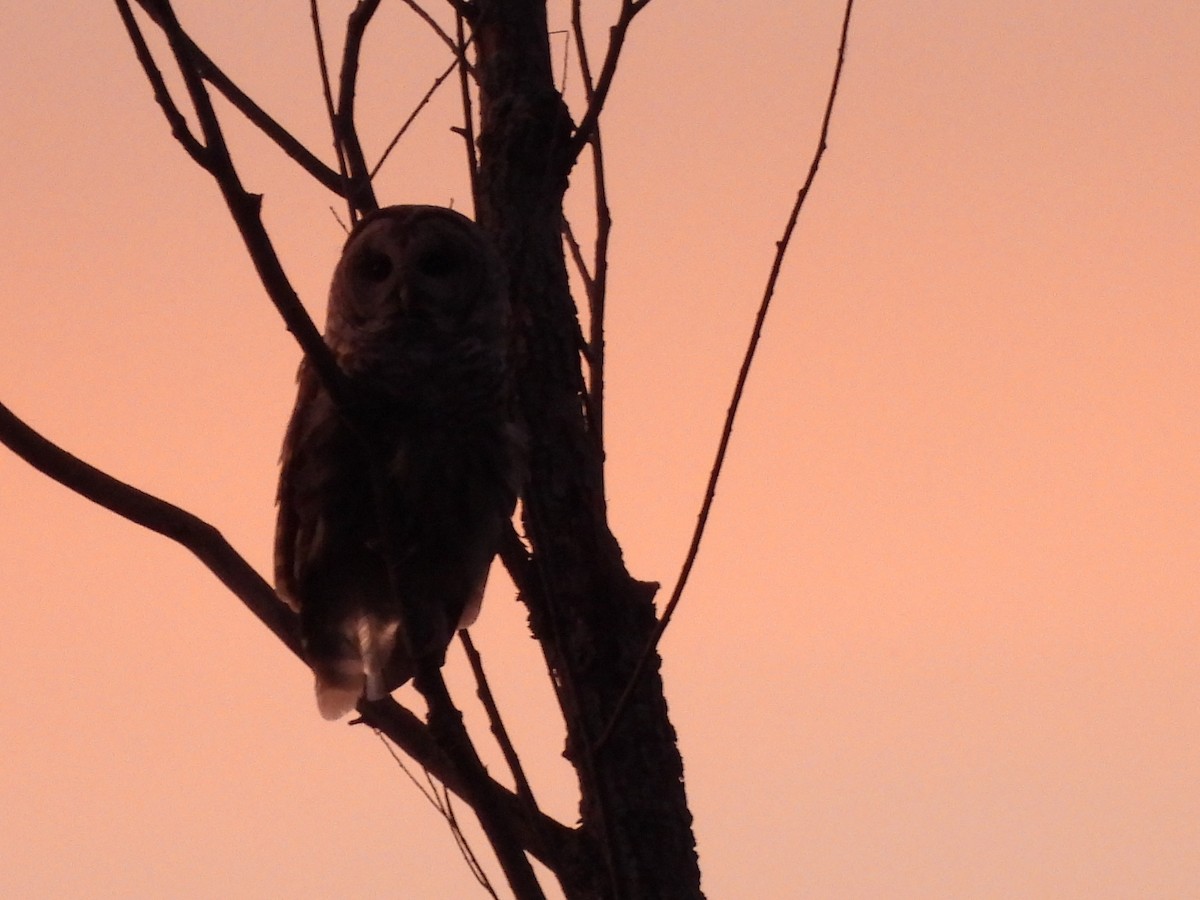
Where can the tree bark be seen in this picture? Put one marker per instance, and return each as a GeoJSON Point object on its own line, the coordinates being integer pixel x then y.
{"type": "Point", "coordinates": [591, 617]}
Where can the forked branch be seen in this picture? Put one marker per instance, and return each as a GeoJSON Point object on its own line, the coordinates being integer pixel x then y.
{"type": "Point", "coordinates": [212, 73]}
{"type": "Point", "coordinates": [243, 206]}
{"type": "Point", "coordinates": [608, 69]}
{"type": "Point", "coordinates": [446, 726]}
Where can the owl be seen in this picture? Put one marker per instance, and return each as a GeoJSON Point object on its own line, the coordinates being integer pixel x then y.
{"type": "Point", "coordinates": [392, 505]}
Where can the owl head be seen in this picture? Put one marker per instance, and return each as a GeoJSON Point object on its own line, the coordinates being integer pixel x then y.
{"type": "Point", "coordinates": [412, 278]}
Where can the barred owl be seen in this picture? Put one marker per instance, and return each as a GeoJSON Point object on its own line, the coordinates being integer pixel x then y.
{"type": "Point", "coordinates": [391, 512]}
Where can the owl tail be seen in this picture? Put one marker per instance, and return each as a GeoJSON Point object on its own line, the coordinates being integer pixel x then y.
{"type": "Point", "coordinates": [340, 682]}
{"type": "Point", "coordinates": [339, 685]}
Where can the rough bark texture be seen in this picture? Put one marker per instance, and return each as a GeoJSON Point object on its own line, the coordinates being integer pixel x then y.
{"type": "Point", "coordinates": [592, 619]}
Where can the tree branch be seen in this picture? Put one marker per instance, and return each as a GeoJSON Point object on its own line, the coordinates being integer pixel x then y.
{"type": "Point", "coordinates": [781, 248]}
{"type": "Point", "coordinates": [468, 125]}
{"type": "Point", "coordinates": [608, 69]}
{"type": "Point", "coordinates": [362, 195]}
{"type": "Point", "coordinates": [596, 286]}
{"type": "Point", "coordinates": [245, 208]}
{"type": "Point", "coordinates": [547, 839]}
{"type": "Point", "coordinates": [455, 46]}
{"type": "Point", "coordinates": [327, 95]}
{"type": "Point", "coordinates": [581, 266]}
{"type": "Point", "coordinates": [144, 509]}
{"type": "Point", "coordinates": [412, 117]}
{"type": "Point", "coordinates": [446, 805]}
{"type": "Point", "coordinates": [484, 692]}
{"type": "Point", "coordinates": [256, 115]}
{"type": "Point", "coordinates": [446, 726]}
{"type": "Point", "coordinates": [179, 127]}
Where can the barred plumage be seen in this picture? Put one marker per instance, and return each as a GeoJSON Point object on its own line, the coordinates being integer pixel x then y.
{"type": "Point", "coordinates": [389, 517]}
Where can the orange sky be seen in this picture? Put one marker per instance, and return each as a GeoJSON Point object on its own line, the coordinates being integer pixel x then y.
{"type": "Point", "coordinates": [943, 639]}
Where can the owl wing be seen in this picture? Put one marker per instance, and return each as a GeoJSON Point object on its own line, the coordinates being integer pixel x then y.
{"type": "Point", "coordinates": [325, 567]}
{"type": "Point", "coordinates": [297, 526]}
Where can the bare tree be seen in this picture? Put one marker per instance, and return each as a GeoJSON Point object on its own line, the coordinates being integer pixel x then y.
{"type": "Point", "coordinates": [595, 624]}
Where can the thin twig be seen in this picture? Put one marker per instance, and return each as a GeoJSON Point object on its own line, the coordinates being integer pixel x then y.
{"type": "Point", "coordinates": [468, 126]}
{"type": "Point", "coordinates": [581, 265]}
{"type": "Point", "coordinates": [608, 69]}
{"type": "Point", "coordinates": [597, 297]}
{"type": "Point", "coordinates": [546, 839]}
{"type": "Point", "coordinates": [562, 84]}
{"type": "Point", "coordinates": [429, 20]}
{"type": "Point", "coordinates": [412, 117]}
{"type": "Point", "coordinates": [585, 69]}
{"type": "Point", "coordinates": [446, 725]}
{"type": "Point", "coordinates": [327, 91]}
{"type": "Point", "coordinates": [781, 248]}
{"type": "Point", "coordinates": [484, 692]}
{"type": "Point", "coordinates": [439, 799]}
{"type": "Point", "coordinates": [264, 122]}
{"type": "Point", "coordinates": [429, 794]}
{"type": "Point", "coordinates": [464, 846]}
{"type": "Point", "coordinates": [597, 285]}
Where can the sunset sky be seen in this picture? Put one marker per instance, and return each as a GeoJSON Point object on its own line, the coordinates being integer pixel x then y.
{"type": "Point", "coordinates": [943, 638]}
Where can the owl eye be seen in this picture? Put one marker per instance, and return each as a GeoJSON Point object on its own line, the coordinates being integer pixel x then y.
{"type": "Point", "coordinates": [375, 266]}
{"type": "Point", "coordinates": [438, 263]}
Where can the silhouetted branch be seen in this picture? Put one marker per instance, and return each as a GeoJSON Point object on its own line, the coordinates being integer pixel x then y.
{"type": "Point", "coordinates": [547, 839]}
{"type": "Point", "coordinates": [581, 266]}
{"type": "Point", "coordinates": [144, 509]}
{"type": "Point", "coordinates": [596, 285]}
{"type": "Point", "coordinates": [781, 249]}
{"type": "Point", "coordinates": [362, 195]}
{"type": "Point", "coordinates": [438, 796]}
{"type": "Point", "coordinates": [464, 846]}
{"type": "Point", "coordinates": [597, 95]}
{"type": "Point", "coordinates": [597, 296]}
{"type": "Point", "coordinates": [428, 790]}
{"type": "Point", "coordinates": [468, 126]}
{"type": "Point", "coordinates": [484, 692]}
{"type": "Point", "coordinates": [327, 95]}
{"type": "Point", "coordinates": [455, 46]}
{"type": "Point", "coordinates": [179, 127]}
{"type": "Point", "coordinates": [585, 69]}
{"type": "Point", "coordinates": [245, 208]}
{"type": "Point", "coordinates": [446, 726]}
{"type": "Point", "coordinates": [256, 115]}
{"type": "Point", "coordinates": [265, 123]}
{"type": "Point", "coordinates": [412, 117]}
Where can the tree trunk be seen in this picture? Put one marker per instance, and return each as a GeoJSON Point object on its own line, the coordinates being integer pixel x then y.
{"type": "Point", "coordinates": [592, 619]}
